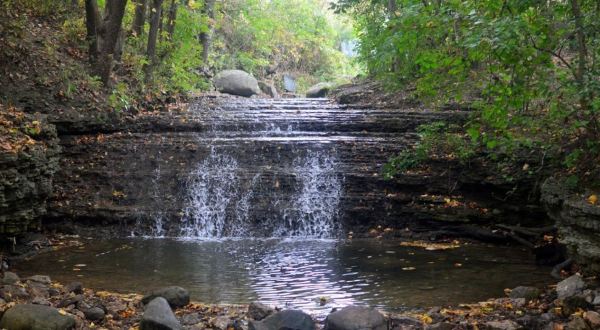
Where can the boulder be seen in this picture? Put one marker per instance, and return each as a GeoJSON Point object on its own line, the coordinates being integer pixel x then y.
{"type": "Point", "coordinates": [94, 313]}
{"type": "Point", "coordinates": [35, 317]}
{"type": "Point", "coordinates": [319, 90]}
{"type": "Point", "coordinates": [176, 296]}
{"type": "Point", "coordinates": [288, 320]}
{"type": "Point", "coordinates": [527, 292]}
{"type": "Point", "coordinates": [268, 88]}
{"type": "Point", "coordinates": [501, 325]}
{"type": "Point", "coordinates": [258, 311]}
{"type": "Point", "coordinates": [570, 287]}
{"type": "Point", "coordinates": [236, 82]}
{"type": "Point", "coordinates": [10, 278]}
{"type": "Point", "coordinates": [355, 318]}
{"type": "Point", "coordinates": [43, 279]}
{"type": "Point", "coordinates": [593, 319]}
{"type": "Point", "coordinates": [159, 316]}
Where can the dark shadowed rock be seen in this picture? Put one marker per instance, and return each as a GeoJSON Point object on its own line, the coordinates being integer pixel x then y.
{"type": "Point", "coordinates": [94, 313]}
{"type": "Point", "coordinates": [501, 325]}
{"type": "Point", "coordinates": [319, 90]}
{"type": "Point", "coordinates": [572, 304]}
{"type": "Point", "coordinates": [527, 292]}
{"type": "Point", "coordinates": [284, 320]}
{"type": "Point", "coordinates": [70, 301]}
{"type": "Point", "coordinates": [10, 278]}
{"type": "Point", "coordinates": [570, 287]}
{"type": "Point", "coordinates": [75, 287]}
{"type": "Point", "coordinates": [35, 317]}
{"type": "Point", "coordinates": [176, 296]}
{"type": "Point", "coordinates": [356, 318]}
{"type": "Point", "coordinates": [440, 326]}
{"type": "Point", "coordinates": [236, 82]}
{"type": "Point", "coordinates": [159, 316]}
{"type": "Point", "coordinates": [258, 311]}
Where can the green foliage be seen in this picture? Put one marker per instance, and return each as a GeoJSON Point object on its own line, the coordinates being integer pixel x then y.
{"type": "Point", "coordinates": [436, 139]}
{"type": "Point", "coordinates": [301, 37]}
{"type": "Point", "coordinates": [528, 67]}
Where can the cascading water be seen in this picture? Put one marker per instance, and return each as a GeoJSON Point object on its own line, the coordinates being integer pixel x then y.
{"type": "Point", "coordinates": [259, 180]}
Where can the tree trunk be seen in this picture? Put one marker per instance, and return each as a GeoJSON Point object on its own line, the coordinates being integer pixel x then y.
{"type": "Point", "coordinates": [581, 50]}
{"type": "Point", "coordinates": [141, 6]}
{"type": "Point", "coordinates": [205, 37]}
{"type": "Point", "coordinates": [109, 33]}
{"type": "Point", "coordinates": [152, 38]}
{"type": "Point", "coordinates": [92, 21]}
{"type": "Point", "coordinates": [171, 19]}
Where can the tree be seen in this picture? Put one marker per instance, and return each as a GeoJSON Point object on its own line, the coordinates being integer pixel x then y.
{"type": "Point", "coordinates": [155, 21]}
{"type": "Point", "coordinates": [205, 37]}
{"type": "Point", "coordinates": [103, 35]}
{"type": "Point", "coordinates": [137, 27]}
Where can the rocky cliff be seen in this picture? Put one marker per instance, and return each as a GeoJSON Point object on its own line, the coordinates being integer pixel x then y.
{"type": "Point", "coordinates": [578, 222]}
{"type": "Point", "coordinates": [28, 160]}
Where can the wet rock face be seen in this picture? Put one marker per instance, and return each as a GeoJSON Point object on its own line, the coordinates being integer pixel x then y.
{"type": "Point", "coordinates": [29, 155]}
{"type": "Point", "coordinates": [578, 223]}
{"type": "Point", "coordinates": [263, 152]}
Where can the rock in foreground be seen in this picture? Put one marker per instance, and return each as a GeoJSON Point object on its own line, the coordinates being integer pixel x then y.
{"type": "Point", "coordinates": [176, 296]}
{"type": "Point", "coordinates": [159, 316]}
{"type": "Point", "coordinates": [35, 317]}
{"type": "Point", "coordinates": [356, 318]}
{"type": "Point", "coordinates": [236, 82]}
{"type": "Point", "coordinates": [288, 320]}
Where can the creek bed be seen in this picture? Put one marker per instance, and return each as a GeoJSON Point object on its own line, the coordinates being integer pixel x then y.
{"type": "Point", "coordinates": [313, 275]}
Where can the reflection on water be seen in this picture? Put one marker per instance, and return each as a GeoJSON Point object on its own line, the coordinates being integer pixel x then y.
{"type": "Point", "coordinates": [296, 273]}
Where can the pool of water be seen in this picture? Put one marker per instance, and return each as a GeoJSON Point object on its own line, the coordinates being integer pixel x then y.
{"type": "Point", "coordinates": [296, 273]}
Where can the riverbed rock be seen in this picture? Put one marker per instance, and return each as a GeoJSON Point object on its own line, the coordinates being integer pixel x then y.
{"type": "Point", "coordinates": [440, 326]}
{"type": "Point", "coordinates": [319, 90]}
{"type": "Point", "coordinates": [593, 319]}
{"type": "Point", "coordinates": [159, 316]}
{"type": "Point", "coordinates": [10, 278]}
{"type": "Point", "coordinates": [176, 296]}
{"type": "Point", "coordinates": [40, 279]}
{"type": "Point", "coordinates": [236, 82]}
{"type": "Point", "coordinates": [570, 287]}
{"type": "Point", "coordinates": [355, 318]}
{"type": "Point", "coordinates": [11, 292]}
{"type": "Point", "coordinates": [94, 313]}
{"type": "Point", "coordinates": [284, 320]}
{"type": "Point", "coordinates": [576, 323]}
{"type": "Point", "coordinates": [73, 300]}
{"type": "Point", "coordinates": [35, 317]}
{"type": "Point", "coordinates": [75, 287]}
{"type": "Point", "coordinates": [527, 292]}
{"type": "Point", "coordinates": [258, 311]}
{"type": "Point", "coordinates": [501, 325]}
{"type": "Point", "coordinates": [572, 304]}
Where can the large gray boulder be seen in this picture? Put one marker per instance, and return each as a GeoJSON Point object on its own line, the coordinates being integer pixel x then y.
{"type": "Point", "coordinates": [284, 320]}
{"type": "Point", "coordinates": [35, 317]}
{"type": "Point", "coordinates": [319, 90]}
{"type": "Point", "coordinates": [356, 318]}
{"type": "Point", "coordinates": [159, 316]}
{"type": "Point", "coordinates": [570, 287]}
{"type": "Point", "coordinates": [236, 82]}
{"type": "Point", "coordinates": [176, 296]}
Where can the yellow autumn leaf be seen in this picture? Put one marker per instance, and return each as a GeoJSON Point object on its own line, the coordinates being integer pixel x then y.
{"type": "Point", "coordinates": [593, 199]}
